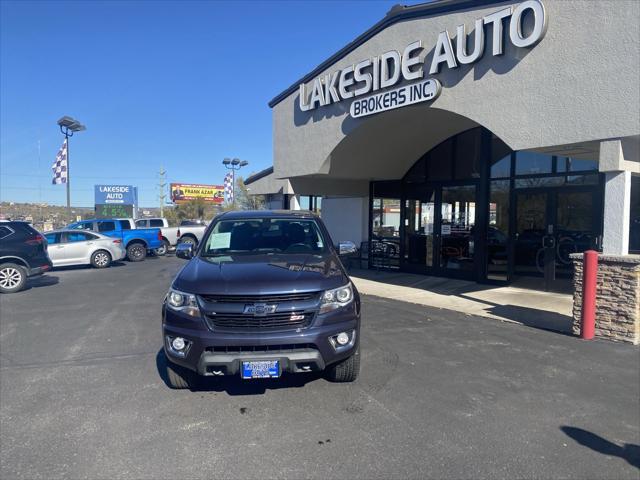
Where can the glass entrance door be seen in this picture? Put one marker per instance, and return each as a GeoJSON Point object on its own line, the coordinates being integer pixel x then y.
{"type": "Point", "coordinates": [458, 207]}
{"type": "Point", "coordinates": [438, 230]}
{"type": "Point", "coordinates": [552, 224]}
{"type": "Point", "coordinates": [419, 236]}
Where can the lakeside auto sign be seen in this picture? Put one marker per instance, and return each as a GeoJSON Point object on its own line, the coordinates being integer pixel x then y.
{"type": "Point", "coordinates": [115, 194]}
{"type": "Point", "coordinates": [391, 67]}
{"type": "Point", "coordinates": [181, 192]}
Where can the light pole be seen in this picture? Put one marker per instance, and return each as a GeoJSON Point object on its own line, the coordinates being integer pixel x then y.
{"type": "Point", "coordinates": [233, 165]}
{"type": "Point", "coordinates": [69, 126]}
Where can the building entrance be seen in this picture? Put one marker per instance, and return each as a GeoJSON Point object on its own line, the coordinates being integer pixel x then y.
{"type": "Point", "coordinates": [472, 208]}
{"type": "Point", "coordinates": [438, 230]}
{"type": "Point", "coordinates": [550, 225]}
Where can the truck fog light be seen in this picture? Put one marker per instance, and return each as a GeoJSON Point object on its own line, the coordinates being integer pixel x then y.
{"type": "Point", "coordinates": [178, 343]}
{"type": "Point", "coordinates": [342, 338]}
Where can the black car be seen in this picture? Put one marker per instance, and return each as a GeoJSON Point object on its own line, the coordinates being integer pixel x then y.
{"type": "Point", "coordinates": [23, 254]}
{"type": "Point", "coordinates": [264, 293]}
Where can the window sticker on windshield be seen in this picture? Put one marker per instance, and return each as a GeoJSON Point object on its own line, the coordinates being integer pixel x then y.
{"type": "Point", "coordinates": [219, 240]}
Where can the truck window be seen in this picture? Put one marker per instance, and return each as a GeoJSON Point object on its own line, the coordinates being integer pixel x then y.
{"type": "Point", "coordinates": [264, 235]}
{"type": "Point", "coordinates": [156, 223]}
{"type": "Point", "coordinates": [106, 226]}
{"type": "Point", "coordinates": [125, 225]}
{"type": "Point", "coordinates": [141, 223]}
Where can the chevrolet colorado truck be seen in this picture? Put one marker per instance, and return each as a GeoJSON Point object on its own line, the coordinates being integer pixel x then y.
{"type": "Point", "coordinates": [263, 294]}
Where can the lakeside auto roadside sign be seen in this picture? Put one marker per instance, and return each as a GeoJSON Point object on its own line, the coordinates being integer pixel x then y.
{"type": "Point", "coordinates": [114, 194]}
{"type": "Point", "coordinates": [116, 201]}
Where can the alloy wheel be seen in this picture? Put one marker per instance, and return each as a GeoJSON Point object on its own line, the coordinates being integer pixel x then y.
{"type": "Point", "coordinates": [10, 277]}
{"type": "Point", "coordinates": [101, 259]}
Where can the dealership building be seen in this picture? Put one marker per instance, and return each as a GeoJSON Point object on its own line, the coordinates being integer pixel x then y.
{"type": "Point", "coordinates": [483, 140]}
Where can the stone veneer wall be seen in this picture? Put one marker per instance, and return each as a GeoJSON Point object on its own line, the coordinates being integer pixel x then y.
{"type": "Point", "coordinates": [617, 297]}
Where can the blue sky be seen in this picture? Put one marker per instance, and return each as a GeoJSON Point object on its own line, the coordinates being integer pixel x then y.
{"type": "Point", "coordinates": [178, 84]}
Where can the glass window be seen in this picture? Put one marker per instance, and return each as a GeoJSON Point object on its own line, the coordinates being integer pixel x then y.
{"type": "Point", "coordinates": [537, 182]}
{"type": "Point", "coordinates": [467, 157]}
{"type": "Point", "coordinates": [156, 222]}
{"type": "Point", "coordinates": [305, 202]}
{"type": "Point", "coordinates": [568, 164]}
{"type": "Point", "coordinates": [386, 218]}
{"type": "Point", "coordinates": [582, 179]}
{"type": "Point", "coordinates": [440, 160]}
{"type": "Point", "coordinates": [78, 237]}
{"type": "Point", "coordinates": [264, 235]}
{"type": "Point", "coordinates": [81, 226]}
{"type": "Point", "coordinates": [498, 232]}
{"type": "Point", "coordinates": [417, 173]}
{"type": "Point", "coordinates": [456, 228]}
{"type": "Point", "coordinates": [529, 163]}
{"type": "Point", "coordinates": [500, 158]}
{"type": "Point", "coordinates": [125, 224]}
{"type": "Point", "coordinates": [52, 238]}
{"type": "Point", "coordinates": [141, 223]}
{"type": "Point", "coordinates": [106, 226]}
{"type": "Point", "coordinates": [634, 218]}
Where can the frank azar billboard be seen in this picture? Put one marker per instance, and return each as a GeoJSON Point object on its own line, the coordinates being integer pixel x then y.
{"type": "Point", "coordinates": [181, 192]}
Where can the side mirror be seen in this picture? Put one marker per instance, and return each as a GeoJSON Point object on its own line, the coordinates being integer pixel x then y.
{"type": "Point", "coordinates": [346, 247]}
{"type": "Point", "coordinates": [185, 250]}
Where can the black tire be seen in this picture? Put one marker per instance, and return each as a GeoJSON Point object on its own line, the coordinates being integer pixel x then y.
{"type": "Point", "coordinates": [13, 277]}
{"type": "Point", "coordinates": [179, 377]}
{"type": "Point", "coordinates": [101, 259]}
{"type": "Point", "coordinates": [163, 250]}
{"type": "Point", "coordinates": [189, 239]}
{"type": "Point", "coordinates": [345, 371]}
{"type": "Point", "coordinates": [136, 252]}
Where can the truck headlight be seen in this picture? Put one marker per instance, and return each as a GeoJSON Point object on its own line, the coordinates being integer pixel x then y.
{"type": "Point", "coordinates": [336, 298]}
{"type": "Point", "coordinates": [183, 302]}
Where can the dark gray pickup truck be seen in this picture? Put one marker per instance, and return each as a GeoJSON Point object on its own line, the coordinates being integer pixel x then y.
{"type": "Point", "coordinates": [264, 293]}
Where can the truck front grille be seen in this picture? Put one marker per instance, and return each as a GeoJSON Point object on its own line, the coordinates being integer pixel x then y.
{"type": "Point", "coordinates": [275, 321]}
{"type": "Point", "coordinates": [274, 298]}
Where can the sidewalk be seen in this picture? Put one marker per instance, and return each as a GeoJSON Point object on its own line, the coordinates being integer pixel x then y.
{"type": "Point", "coordinates": [551, 311]}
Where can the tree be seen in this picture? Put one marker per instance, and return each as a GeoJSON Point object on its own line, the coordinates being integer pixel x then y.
{"type": "Point", "coordinates": [245, 200]}
{"type": "Point", "coordinates": [191, 209]}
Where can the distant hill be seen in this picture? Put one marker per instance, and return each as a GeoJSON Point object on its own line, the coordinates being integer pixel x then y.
{"type": "Point", "coordinates": [47, 217]}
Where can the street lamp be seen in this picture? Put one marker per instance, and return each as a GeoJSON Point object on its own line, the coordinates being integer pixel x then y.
{"type": "Point", "coordinates": [233, 165]}
{"type": "Point", "coordinates": [69, 126]}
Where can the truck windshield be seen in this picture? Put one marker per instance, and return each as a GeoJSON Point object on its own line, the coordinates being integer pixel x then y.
{"type": "Point", "coordinates": [264, 235]}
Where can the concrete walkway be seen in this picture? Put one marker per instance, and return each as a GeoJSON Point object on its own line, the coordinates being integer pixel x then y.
{"type": "Point", "coordinates": [551, 311]}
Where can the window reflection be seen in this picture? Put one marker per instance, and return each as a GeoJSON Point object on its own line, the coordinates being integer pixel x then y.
{"type": "Point", "coordinates": [528, 163]}
{"type": "Point", "coordinates": [456, 228]}
{"type": "Point", "coordinates": [498, 232]}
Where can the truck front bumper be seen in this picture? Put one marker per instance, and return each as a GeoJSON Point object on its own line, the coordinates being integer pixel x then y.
{"type": "Point", "coordinates": [210, 353]}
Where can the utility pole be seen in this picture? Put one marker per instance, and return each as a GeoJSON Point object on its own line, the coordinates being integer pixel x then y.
{"type": "Point", "coordinates": [162, 183]}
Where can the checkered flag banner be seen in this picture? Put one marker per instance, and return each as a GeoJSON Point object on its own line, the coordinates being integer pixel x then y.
{"type": "Point", "coordinates": [228, 187]}
{"type": "Point", "coordinates": [59, 167]}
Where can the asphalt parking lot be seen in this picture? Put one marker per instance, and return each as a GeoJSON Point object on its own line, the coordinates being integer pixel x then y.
{"type": "Point", "coordinates": [440, 394]}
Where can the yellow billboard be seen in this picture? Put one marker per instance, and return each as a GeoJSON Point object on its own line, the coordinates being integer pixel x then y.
{"type": "Point", "coordinates": [183, 192]}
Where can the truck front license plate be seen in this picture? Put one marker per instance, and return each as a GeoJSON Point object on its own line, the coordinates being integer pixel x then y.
{"type": "Point", "coordinates": [261, 369]}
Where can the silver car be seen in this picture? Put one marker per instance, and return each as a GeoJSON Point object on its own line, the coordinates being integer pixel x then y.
{"type": "Point", "coordinates": [80, 247]}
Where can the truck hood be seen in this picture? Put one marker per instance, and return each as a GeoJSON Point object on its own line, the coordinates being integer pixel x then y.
{"type": "Point", "coordinates": [260, 274]}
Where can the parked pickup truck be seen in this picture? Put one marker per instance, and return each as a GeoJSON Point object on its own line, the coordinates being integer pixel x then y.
{"type": "Point", "coordinates": [172, 236]}
{"type": "Point", "coordinates": [136, 241]}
